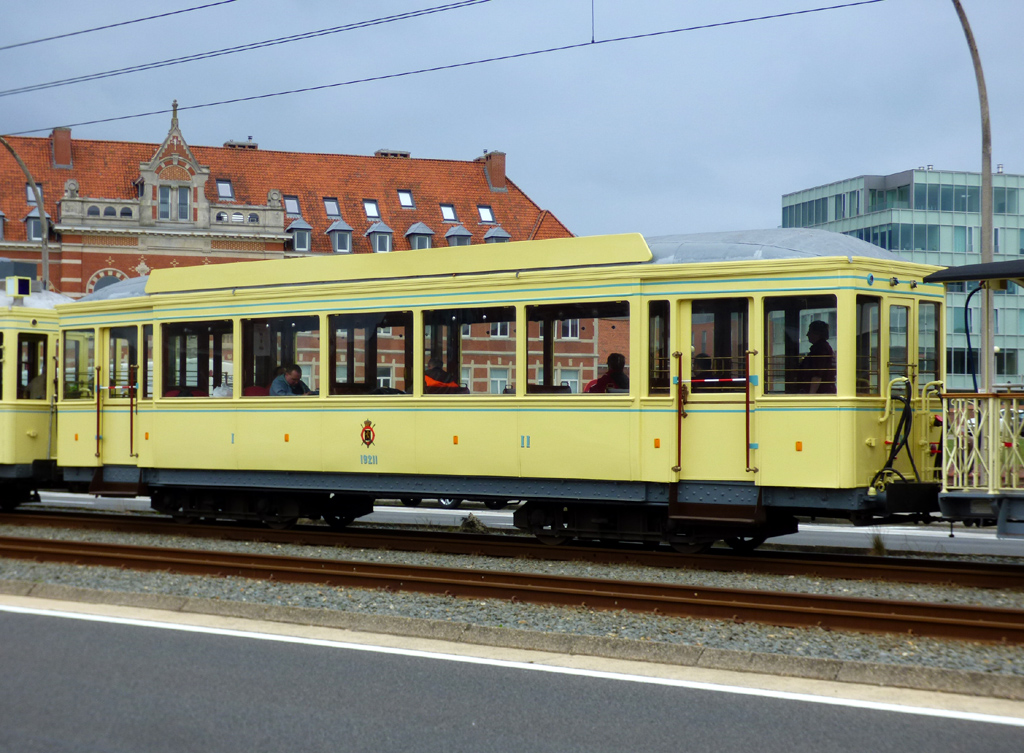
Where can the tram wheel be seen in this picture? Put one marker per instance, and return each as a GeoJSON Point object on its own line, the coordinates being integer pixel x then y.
{"type": "Point", "coordinates": [411, 502]}
{"type": "Point", "coordinates": [745, 543]}
{"type": "Point", "coordinates": [184, 518]}
{"type": "Point", "coordinates": [495, 504]}
{"type": "Point", "coordinates": [691, 547]}
{"type": "Point", "coordinates": [278, 522]}
{"type": "Point", "coordinates": [449, 503]}
{"type": "Point", "coordinates": [551, 539]}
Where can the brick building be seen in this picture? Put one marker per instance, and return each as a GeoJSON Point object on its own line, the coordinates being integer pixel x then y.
{"type": "Point", "coordinates": [119, 209]}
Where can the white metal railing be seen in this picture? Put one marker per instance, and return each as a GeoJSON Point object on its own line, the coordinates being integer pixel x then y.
{"type": "Point", "coordinates": [982, 442]}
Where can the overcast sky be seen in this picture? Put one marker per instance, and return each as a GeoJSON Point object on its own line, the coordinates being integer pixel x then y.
{"type": "Point", "coordinates": [695, 131]}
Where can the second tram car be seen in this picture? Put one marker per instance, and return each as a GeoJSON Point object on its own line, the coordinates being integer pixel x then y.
{"type": "Point", "coordinates": [768, 375]}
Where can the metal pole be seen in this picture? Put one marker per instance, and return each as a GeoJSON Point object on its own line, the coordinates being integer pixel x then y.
{"type": "Point", "coordinates": [43, 224]}
{"type": "Point", "coordinates": [987, 334]}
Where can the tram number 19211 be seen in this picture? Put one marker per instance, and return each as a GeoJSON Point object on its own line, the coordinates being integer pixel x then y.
{"type": "Point", "coordinates": [368, 460]}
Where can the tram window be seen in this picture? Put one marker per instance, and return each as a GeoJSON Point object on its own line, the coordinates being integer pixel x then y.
{"type": "Point", "coordinates": [462, 348]}
{"type": "Point", "coordinates": [123, 356]}
{"type": "Point", "coordinates": [899, 341]}
{"type": "Point", "coordinates": [146, 367]}
{"type": "Point", "coordinates": [1, 356]}
{"type": "Point", "coordinates": [78, 364]}
{"type": "Point", "coordinates": [928, 344]}
{"type": "Point", "coordinates": [557, 364]}
{"type": "Point", "coordinates": [31, 366]}
{"type": "Point", "coordinates": [370, 352]}
{"type": "Point", "coordinates": [868, 345]}
{"type": "Point", "coordinates": [718, 335]}
{"type": "Point", "coordinates": [271, 345]}
{"type": "Point", "coordinates": [198, 359]}
{"type": "Point", "coordinates": [658, 360]}
{"type": "Point", "coordinates": [795, 361]}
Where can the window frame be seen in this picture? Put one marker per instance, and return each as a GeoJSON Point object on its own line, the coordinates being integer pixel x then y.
{"type": "Point", "coordinates": [454, 213]}
{"type": "Point", "coordinates": [229, 194]}
{"type": "Point", "coordinates": [405, 199]}
{"type": "Point", "coordinates": [486, 212]}
{"type": "Point", "coordinates": [328, 200]}
{"type": "Point", "coordinates": [371, 208]}
{"type": "Point", "coordinates": [292, 200]}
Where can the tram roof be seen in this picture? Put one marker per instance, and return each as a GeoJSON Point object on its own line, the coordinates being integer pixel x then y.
{"type": "Point", "coordinates": [753, 245]}
{"type": "Point", "coordinates": [996, 270]}
{"type": "Point", "coordinates": [605, 250]}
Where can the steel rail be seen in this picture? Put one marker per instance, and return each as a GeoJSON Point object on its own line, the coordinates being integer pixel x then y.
{"type": "Point", "coordinates": [738, 605]}
{"type": "Point", "coordinates": [847, 566]}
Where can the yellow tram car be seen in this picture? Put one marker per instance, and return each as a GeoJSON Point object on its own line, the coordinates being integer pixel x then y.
{"type": "Point", "coordinates": [479, 373]}
{"type": "Point", "coordinates": [28, 344]}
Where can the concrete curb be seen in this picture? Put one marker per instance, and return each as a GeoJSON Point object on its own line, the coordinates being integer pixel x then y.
{"type": "Point", "coordinates": [980, 684]}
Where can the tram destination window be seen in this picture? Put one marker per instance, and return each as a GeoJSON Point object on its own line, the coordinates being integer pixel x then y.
{"type": "Point", "coordinates": [800, 344]}
{"type": "Point", "coordinates": [569, 346]}
{"type": "Point", "coordinates": [469, 351]}
{"type": "Point", "coordinates": [370, 353]}
{"type": "Point", "coordinates": [31, 366]}
{"type": "Point", "coordinates": [198, 359]}
{"type": "Point", "coordinates": [718, 336]}
{"type": "Point", "coordinates": [78, 364]}
{"type": "Point", "coordinates": [269, 346]}
{"type": "Point", "coordinates": [122, 361]}
{"type": "Point", "coordinates": [868, 344]}
{"type": "Point", "coordinates": [659, 364]}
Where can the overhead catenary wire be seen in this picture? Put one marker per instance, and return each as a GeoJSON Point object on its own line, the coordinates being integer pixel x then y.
{"type": "Point", "coordinates": [242, 48]}
{"type": "Point", "coordinates": [450, 66]}
{"type": "Point", "coordinates": [114, 26]}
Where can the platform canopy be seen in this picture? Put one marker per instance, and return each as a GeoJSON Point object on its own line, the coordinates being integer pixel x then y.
{"type": "Point", "coordinates": [997, 270]}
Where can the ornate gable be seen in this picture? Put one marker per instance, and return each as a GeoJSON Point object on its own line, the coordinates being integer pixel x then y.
{"type": "Point", "coordinates": [173, 166]}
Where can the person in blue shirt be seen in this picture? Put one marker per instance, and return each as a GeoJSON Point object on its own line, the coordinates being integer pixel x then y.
{"type": "Point", "coordinates": [290, 383]}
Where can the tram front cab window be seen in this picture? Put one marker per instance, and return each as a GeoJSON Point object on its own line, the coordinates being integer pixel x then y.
{"type": "Point", "coordinates": [800, 345]}
{"type": "Point", "coordinates": [718, 336]}
{"type": "Point", "coordinates": [371, 353]}
{"type": "Point", "coordinates": [31, 366]}
{"type": "Point", "coordinates": [78, 363]}
{"type": "Point", "coordinates": [271, 345]}
{"type": "Point", "coordinates": [469, 351]}
{"type": "Point", "coordinates": [569, 345]}
{"type": "Point", "coordinates": [198, 359]}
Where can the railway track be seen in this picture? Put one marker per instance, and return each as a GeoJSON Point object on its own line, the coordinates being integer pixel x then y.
{"type": "Point", "coordinates": [856, 567]}
{"type": "Point", "coordinates": [739, 605]}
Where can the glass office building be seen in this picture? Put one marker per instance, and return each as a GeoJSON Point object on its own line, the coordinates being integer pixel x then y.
{"type": "Point", "coordinates": [934, 217]}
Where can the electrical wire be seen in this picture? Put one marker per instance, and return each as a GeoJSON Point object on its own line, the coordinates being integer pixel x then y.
{"type": "Point", "coordinates": [114, 26]}
{"type": "Point", "coordinates": [451, 66]}
{"type": "Point", "coordinates": [241, 48]}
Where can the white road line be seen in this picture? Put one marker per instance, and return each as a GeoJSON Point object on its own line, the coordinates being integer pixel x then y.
{"type": "Point", "coordinates": [757, 692]}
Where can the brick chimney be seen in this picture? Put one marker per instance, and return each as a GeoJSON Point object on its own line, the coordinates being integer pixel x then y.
{"type": "Point", "coordinates": [60, 141]}
{"type": "Point", "coordinates": [494, 169]}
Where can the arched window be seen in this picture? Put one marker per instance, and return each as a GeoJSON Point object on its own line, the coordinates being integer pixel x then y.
{"type": "Point", "coordinates": [109, 212]}
{"type": "Point", "coordinates": [237, 217]}
{"type": "Point", "coordinates": [126, 212]}
{"type": "Point", "coordinates": [254, 217]}
{"type": "Point", "coordinates": [222, 216]}
{"type": "Point", "coordinates": [93, 212]}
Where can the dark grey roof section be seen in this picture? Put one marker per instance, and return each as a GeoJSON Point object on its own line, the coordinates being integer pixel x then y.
{"type": "Point", "coordinates": [133, 287]}
{"type": "Point", "coordinates": [299, 224]}
{"type": "Point", "coordinates": [35, 213]}
{"type": "Point", "coordinates": [997, 270]}
{"type": "Point", "coordinates": [496, 232]}
{"type": "Point", "coordinates": [457, 231]}
{"type": "Point", "coordinates": [418, 228]}
{"type": "Point", "coordinates": [378, 227]}
{"type": "Point", "coordinates": [339, 225]}
{"type": "Point", "coordinates": [748, 245]}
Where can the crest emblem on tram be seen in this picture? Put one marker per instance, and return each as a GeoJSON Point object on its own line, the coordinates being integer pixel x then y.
{"type": "Point", "coordinates": [366, 433]}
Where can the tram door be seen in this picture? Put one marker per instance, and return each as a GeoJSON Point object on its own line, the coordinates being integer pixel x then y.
{"type": "Point", "coordinates": [911, 367]}
{"type": "Point", "coordinates": [123, 380]}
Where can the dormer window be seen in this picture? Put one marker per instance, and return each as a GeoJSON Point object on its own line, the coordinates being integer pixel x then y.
{"type": "Point", "coordinates": [33, 227]}
{"type": "Point", "coordinates": [448, 213]}
{"type": "Point", "coordinates": [419, 236]}
{"type": "Point", "coordinates": [380, 237]}
{"type": "Point", "coordinates": [291, 205]}
{"type": "Point", "coordinates": [301, 232]}
{"type": "Point", "coordinates": [371, 209]}
{"type": "Point", "coordinates": [458, 236]}
{"type": "Point", "coordinates": [331, 207]}
{"type": "Point", "coordinates": [486, 215]}
{"type": "Point", "coordinates": [174, 202]}
{"type": "Point", "coordinates": [405, 200]}
{"type": "Point", "coordinates": [497, 235]}
{"type": "Point", "coordinates": [340, 233]}
{"type": "Point", "coordinates": [225, 190]}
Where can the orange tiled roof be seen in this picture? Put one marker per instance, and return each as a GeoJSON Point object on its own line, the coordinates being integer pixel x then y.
{"type": "Point", "coordinates": [107, 169]}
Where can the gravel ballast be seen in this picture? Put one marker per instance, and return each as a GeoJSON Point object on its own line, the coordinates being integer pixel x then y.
{"type": "Point", "coordinates": [894, 651]}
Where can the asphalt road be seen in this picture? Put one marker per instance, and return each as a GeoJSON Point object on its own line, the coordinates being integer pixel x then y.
{"type": "Point", "coordinates": [78, 685]}
{"type": "Point", "coordinates": [910, 538]}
